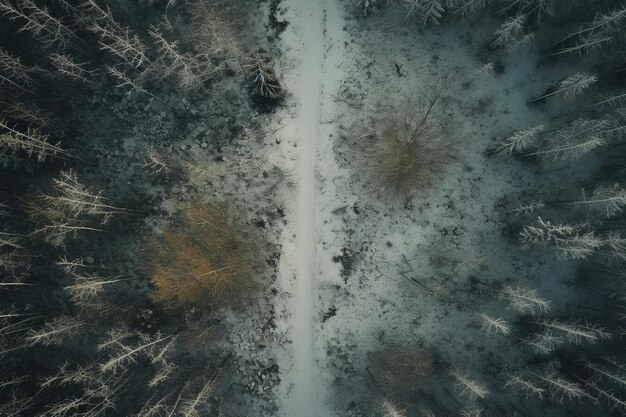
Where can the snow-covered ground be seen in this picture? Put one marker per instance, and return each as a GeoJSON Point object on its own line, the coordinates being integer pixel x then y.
{"type": "Point", "coordinates": [313, 45]}
{"type": "Point", "coordinates": [347, 250]}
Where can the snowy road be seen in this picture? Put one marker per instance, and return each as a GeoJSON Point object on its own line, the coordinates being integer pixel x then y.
{"type": "Point", "coordinates": [307, 41]}
{"type": "Point", "coordinates": [309, 22]}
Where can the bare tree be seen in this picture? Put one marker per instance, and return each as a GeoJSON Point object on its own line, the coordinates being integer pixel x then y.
{"type": "Point", "coordinates": [484, 70]}
{"type": "Point", "coordinates": [55, 331]}
{"type": "Point", "coordinates": [39, 22]}
{"type": "Point", "coordinates": [75, 199]}
{"type": "Point", "coordinates": [428, 11]}
{"type": "Point", "coordinates": [389, 409]}
{"type": "Point", "coordinates": [156, 163]}
{"type": "Point", "coordinates": [13, 72]}
{"type": "Point", "coordinates": [58, 226]}
{"type": "Point", "coordinates": [262, 78]}
{"type": "Point", "coordinates": [12, 254]}
{"type": "Point", "coordinates": [469, 387]}
{"type": "Point", "coordinates": [191, 71]}
{"type": "Point", "coordinates": [27, 112]}
{"type": "Point", "coordinates": [568, 148]}
{"type": "Point", "coordinates": [616, 99]}
{"type": "Point", "coordinates": [607, 199]}
{"type": "Point", "coordinates": [164, 370]}
{"type": "Point", "coordinates": [518, 142]}
{"type": "Point", "coordinates": [572, 241]}
{"type": "Point", "coordinates": [536, 8]}
{"type": "Point", "coordinates": [216, 35]}
{"type": "Point", "coordinates": [603, 29]}
{"type": "Point", "coordinates": [617, 375]}
{"type": "Point", "coordinates": [129, 82]}
{"type": "Point", "coordinates": [408, 149]}
{"type": "Point", "coordinates": [524, 300]}
{"type": "Point", "coordinates": [195, 405]}
{"type": "Point", "coordinates": [612, 400]}
{"type": "Point", "coordinates": [99, 392]}
{"type": "Point", "coordinates": [16, 403]}
{"type": "Point", "coordinates": [544, 342]}
{"type": "Point", "coordinates": [125, 354]}
{"type": "Point", "coordinates": [524, 387]}
{"type": "Point", "coordinates": [527, 208]}
{"type": "Point", "coordinates": [70, 266]}
{"type": "Point", "coordinates": [510, 31]}
{"type": "Point", "coordinates": [576, 333]}
{"type": "Point", "coordinates": [33, 143]}
{"type": "Point", "coordinates": [575, 139]}
{"type": "Point", "coordinates": [115, 39]}
{"type": "Point", "coordinates": [570, 86]}
{"type": "Point", "coordinates": [465, 7]}
{"type": "Point", "coordinates": [157, 408]}
{"type": "Point", "coordinates": [561, 389]}
{"type": "Point", "coordinates": [494, 325]}
{"type": "Point", "coordinates": [69, 209]}
{"type": "Point", "coordinates": [473, 411]}
{"type": "Point", "coordinates": [86, 288]}
{"type": "Point", "coordinates": [581, 137]}
{"type": "Point", "coordinates": [66, 66]}
{"type": "Point", "coordinates": [576, 241]}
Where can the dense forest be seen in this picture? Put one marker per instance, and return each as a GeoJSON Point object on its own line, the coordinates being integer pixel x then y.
{"type": "Point", "coordinates": [385, 208]}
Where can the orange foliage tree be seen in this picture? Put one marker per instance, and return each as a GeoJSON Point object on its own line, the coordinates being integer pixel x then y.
{"type": "Point", "coordinates": [212, 259]}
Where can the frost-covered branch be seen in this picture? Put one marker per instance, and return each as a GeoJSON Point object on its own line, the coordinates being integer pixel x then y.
{"type": "Point", "coordinates": [469, 387]}
{"type": "Point", "coordinates": [32, 142]}
{"type": "Point", "coordinates": [115, 39]}
{"type": "Point", "coordinates": [518, 142]}
{"type": "Point", "coordinates": [603, 29]}
{"type": "Point", "coordinates": [576, 333]}
{"type": "Point", "coordinates": [428, 11]}
{"type": "Point", "coordinates": [494, 325]}
{"type": "Point", "coordinates": [524, 387]}
{"type": "Point", "coordinates": [570, 240]}
{"type": "Point", "coordinates": [544, 343]}
{"type": "Point", "coordinates": [570, 86]}
{"type": "Point", "coordinates": [510, 31]}
{"type": "Point", "coordinates": [55, 331]}
{"type": "Point", "coordinates": [65, 66]}
{"type": "Point", "coordinates": [524, 300]}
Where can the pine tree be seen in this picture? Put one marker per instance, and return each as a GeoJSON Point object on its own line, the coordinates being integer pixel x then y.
{"type": "Point", "coordinates": [572, 241]}
{"type": "Point", "coordinates": [55, 331]}
{"type": "Point", "coordinates": [510, 31]}
{"type": "Point", "coordinates": [13, 73]}
{"type": "Point", "coordinates": [576, 333]}
{"type": "Point", "coordinates": [494, 325]}
{"type": "Point", "coordinates": [570, 86]}
{"type": "Point", "coordinates": [429, 11]}
{"type": "Point", "coordinates": [518, 142]}
{"type": "Point", "coordinates": [115, 39]}
{"type": "Point", "coordinates": [524, 300]}
{"type": "Point", "coordinates": [33, 143]}
{"type": "Point", "coordinates": [469, 387]}
{"type": "Point", "coordinates": [603, 29]}
{"type": "Point", "coordinates": [389, 409]}
{"type": "Point", "coordinates": [67, 67]}
{"type": "Point", "coordinates": [524, 387]}
{"type": "Point", "coordinates": [193, 405]}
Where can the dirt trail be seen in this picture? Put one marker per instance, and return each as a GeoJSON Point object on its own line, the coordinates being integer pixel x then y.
{"type": "Point", "coordinates": [307, 40]}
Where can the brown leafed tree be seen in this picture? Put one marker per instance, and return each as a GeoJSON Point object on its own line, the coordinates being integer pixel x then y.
{"type": "Point", "coordinates": [212, 259]}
